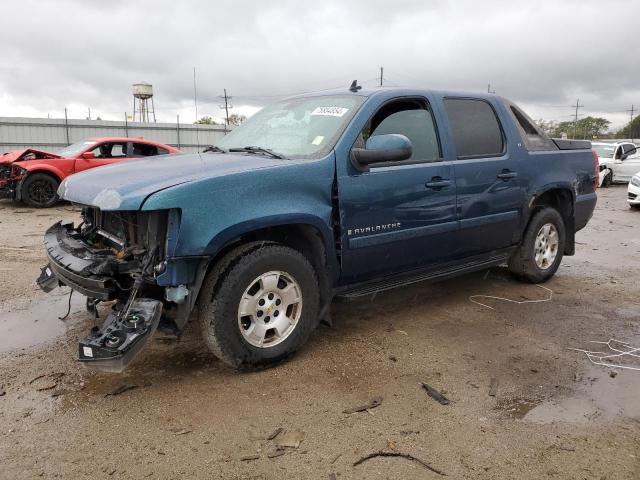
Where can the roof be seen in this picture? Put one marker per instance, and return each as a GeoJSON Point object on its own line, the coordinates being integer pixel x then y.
{"type": "Point", "coordinates": [396, 91]}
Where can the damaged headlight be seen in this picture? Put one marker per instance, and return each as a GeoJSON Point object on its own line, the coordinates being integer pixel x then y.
{"type": "Point", "coordinates": [635, 181]}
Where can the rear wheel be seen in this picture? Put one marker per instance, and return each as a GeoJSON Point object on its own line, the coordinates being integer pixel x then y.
{"type": "Point", "coordinates": [260, 308]}
{"type": "Point", "coordinates": [541, 251]}
{"type": "Point", "coordinates": [40, 190]}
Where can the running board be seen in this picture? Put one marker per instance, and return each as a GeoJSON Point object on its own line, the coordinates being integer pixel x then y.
{"type": "Point", "coordinates": [432, 276]}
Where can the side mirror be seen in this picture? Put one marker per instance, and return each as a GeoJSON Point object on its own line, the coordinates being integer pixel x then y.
{"type": "Point", "coordinates": [88, 155]}
{"type": "Point", "coordinates": [393, 147]}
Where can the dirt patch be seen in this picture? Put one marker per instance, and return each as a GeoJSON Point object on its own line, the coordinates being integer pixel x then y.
{"type": "Point", "coordinates": [552, 414]}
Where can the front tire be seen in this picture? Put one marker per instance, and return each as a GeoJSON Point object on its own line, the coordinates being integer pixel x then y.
{"type": "Point", "coordinates": [260, 307]}
{"type": "Point", "coordinates": [542, 247]}
{"type": "Point", "coordinates": [607, 180]}
{"type": "Point", "coordinates": [40, 190]}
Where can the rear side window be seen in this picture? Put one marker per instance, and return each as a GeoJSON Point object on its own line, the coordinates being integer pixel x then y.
{"type": "Point", "coordinates": [475, 128]}
{"type": "Point", "coordinates": [534, 138]}
{"type": "Point", "coordinates": [144, 150]}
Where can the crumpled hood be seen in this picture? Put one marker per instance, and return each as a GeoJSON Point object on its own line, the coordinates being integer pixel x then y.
{"type": "Point", "coordinates": [126, 185]}
{"type": "Point", "coordinates": [19, 155]}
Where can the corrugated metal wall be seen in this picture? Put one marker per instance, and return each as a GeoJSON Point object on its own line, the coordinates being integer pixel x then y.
{"type": "Point", "coordinates": [53, 134]}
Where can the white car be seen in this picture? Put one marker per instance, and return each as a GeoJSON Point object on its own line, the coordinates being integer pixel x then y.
{"type": "Point", "coordinates": [618, 161]}
{"type": "Point", "coordinates": [633, 195]}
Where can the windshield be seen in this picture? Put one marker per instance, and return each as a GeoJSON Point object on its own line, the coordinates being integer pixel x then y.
{"type": "Point", "coordinates": [75, 148]}
{"type": "Point", "coordinates": [300, 127]}
{"type": "Point", "coordinates": [604, 151]}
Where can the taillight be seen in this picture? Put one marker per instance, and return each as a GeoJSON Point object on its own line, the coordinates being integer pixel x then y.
{"type": "Point", "coordinates": [596, 169]}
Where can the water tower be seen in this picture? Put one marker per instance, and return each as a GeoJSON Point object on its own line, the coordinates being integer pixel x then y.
{"type": "Point", "coordinates": [142, 108]}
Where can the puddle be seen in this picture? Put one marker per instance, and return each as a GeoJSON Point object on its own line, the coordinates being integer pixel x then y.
{"type": "Point", "coordinates": [38, 323]}
{"type": "Point", "coordinates": [598, 397]}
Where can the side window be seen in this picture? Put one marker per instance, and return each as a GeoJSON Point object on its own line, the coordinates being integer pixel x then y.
{"type": "Point", "coordinates": [630, 149]}
{"type": "Point", "coordinates": [534, 138]}
{"type": "Point", "coordinates": [144, 150]}
{"type": "Point", "coordinates": [475, 128]}
{"type": "Point", "coordinates": [162, 151]}
{"type": "Point", "coordinates": [411, 118]}
{"type": "Point", "coordinates": [110, 150]}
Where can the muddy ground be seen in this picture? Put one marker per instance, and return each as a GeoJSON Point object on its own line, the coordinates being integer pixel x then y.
{"type": "Point", "coordinates": [554, 414]}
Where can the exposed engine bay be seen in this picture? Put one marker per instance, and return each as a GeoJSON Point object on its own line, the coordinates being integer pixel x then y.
{"type": "Point", "coordinates": [115, 256]}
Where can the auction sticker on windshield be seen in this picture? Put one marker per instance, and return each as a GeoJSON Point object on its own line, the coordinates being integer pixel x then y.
{"type": "Point", "coordinates": [330, 111]}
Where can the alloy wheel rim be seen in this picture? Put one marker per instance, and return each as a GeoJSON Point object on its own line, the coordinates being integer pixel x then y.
{"type": "Point", "coordinates": [546, 246]}
{"type": "Point", "coordinates": [270, 309]}
{"type": "Point", "coordinates": [41, 192]}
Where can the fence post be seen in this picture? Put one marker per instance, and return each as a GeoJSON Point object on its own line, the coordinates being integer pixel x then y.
{"type": "Point", "coordinates": [126, 126]}
{"type": "Point", "coordinates": [178, 129]}
{"type": "Point", "coordinates": [66, 125]}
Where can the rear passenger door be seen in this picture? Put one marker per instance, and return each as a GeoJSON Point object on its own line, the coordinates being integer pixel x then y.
{"type": "Point", "coordinates": [490, 190]}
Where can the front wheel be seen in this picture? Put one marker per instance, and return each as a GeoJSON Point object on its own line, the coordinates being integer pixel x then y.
{"type": "Point", "coordinates": [541, 251]}
{"type": "Point", "coordinates": [40, 190]}
{"type": "Point", "coordinates": [607, 180]}
{"type": "Point", "coordinates": [260, 307]}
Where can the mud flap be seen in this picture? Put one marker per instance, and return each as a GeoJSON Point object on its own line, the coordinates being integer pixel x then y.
{"type": "Point", "coordinates": [47, 281]}
{"type": "Point", "coordinates": [112, 347]}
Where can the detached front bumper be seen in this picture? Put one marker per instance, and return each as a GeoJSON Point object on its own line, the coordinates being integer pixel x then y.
{"type": "Point", "coordinates": [99, 273]}
{"type": "Point", "coordinates": [75, 264]}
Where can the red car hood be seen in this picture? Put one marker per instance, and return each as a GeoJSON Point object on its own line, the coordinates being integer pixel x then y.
{"type": "Point", "coordinates": [26, 154]}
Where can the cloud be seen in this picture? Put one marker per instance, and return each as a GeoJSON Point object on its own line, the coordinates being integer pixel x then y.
{"type": "Point", "coordinates": [542, 55]}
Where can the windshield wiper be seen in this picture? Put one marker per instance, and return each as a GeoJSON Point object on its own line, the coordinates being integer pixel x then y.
{"type": "Point", "coordinates": [253, 149]}
{"type": "Point", "coordinates": [213, 148]}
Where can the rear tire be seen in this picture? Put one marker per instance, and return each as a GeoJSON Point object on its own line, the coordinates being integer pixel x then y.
{"type": "Point", "coordinates": [246, 299]}
{"type": "Point", "coordinates": [40, 190]}
{"type": "Point", "coordinates": [542, 247]}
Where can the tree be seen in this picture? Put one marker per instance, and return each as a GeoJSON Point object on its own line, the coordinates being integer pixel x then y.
{"type": "Point", "coordinates": [547, 126]}
{"type": "Point", "coordinates": [236, 119]}
{"type": "Point", "coordinates": [206, 121]}
{"type": "Point", "coordinates": [585, 128]}
{"type": "Point", "coordinates": [631, 129]}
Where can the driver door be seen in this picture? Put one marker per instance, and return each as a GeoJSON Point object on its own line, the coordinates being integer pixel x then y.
{"type": "Point", "coordinates": [625, 168]}
{"type": "Point", "coordinates": [398, 216]}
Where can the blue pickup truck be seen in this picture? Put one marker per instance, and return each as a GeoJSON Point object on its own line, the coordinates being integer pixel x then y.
{"type": "Point", "coordinates": [343, 193]}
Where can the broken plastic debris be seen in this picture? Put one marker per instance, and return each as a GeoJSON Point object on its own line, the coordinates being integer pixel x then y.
{"type": "Point", "coordinates": [375, 402]}
{"type": "Point", "coordinates": [291, 439]}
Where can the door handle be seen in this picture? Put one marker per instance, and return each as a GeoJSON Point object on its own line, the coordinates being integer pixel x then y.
{"type": "Point", "coordinates": [506, 175]}
{"type": "Point", "coordinates": [437, 183]}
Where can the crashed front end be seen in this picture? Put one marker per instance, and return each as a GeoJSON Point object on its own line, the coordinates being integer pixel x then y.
{"type": "Point", "coordinates": [120, 256]}
{"type": "Point", "coordinates": [11, 175]}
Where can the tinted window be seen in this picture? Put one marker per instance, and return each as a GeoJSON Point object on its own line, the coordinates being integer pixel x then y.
{"type": "Point", "coordinates": [144, 150]}
{"type": "Point", "coordinates": [412, 119]}
{"type": "Point", "coordinates": [533, 137]}
{"type": "Point", "coordinates": [475, 128]}
{"type": "Point", "coordinates": [162, 151]}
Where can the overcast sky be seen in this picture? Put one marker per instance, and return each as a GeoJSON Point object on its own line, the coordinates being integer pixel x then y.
{"type": "Point", "coordinates": [542, 55]}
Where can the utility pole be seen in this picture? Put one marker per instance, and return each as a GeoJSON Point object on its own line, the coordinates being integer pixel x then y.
{"type": "Point", "coordinates": [89, 109]}
{"type": "Point", "coordinates": [226, 106]}
{"type": "Point", "coordinates": [575, 121]}
{"type": "Point", "coordinates": [489, 88]}
{"type": "Point", "coordinates": [195, 93]}
{"type": "Point", "coordinates": [631, 111]}
{"type": "Point", "coordinates": [381, 75]}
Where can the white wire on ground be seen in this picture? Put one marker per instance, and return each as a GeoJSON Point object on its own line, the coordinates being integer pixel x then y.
{"type": "Point", "coordinates": [519, 302]}
{"type": "Point", "coordinates": [598, 358]}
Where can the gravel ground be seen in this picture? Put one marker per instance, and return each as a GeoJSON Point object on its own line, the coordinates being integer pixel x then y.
{"type": "Point", "coordinates": [553, 415]}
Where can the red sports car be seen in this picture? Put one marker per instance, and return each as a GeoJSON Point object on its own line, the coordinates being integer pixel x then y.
{"type": "Point", "coordinates": [33, 176]}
